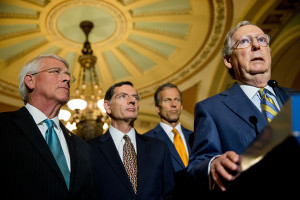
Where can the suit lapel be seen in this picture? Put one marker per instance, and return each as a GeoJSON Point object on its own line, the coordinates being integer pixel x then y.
{"type": "Point", "coordinates": [241, 105]}
{"type": "Point", "coordinates": [281, 96]}
{"type": "Point", "coordinates": [25, 122]}
{"type": "Point", "coordinates": [161, 134]}
{"type": "Point", "coordinates": [142, 156]}
{"type": "Point", "coordinates": [187, 134]}
{"type": "Point", "coordinates": [108, 148]}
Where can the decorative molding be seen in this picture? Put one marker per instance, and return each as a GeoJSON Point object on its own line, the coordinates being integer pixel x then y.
{"type": "Point", "coordinates": [154, 50]}
{"type": "Point", "coordinates": [25, 52]}
{"type": "Point", "coordinates": [19, 16]}
{"type": "Point", "coordinates": [162, 13]}
{"type": "Point", "coordinates": [274, 20]}
{"type": "Point", "coordinates": [53, 16]}
{"type": "Point", "coordinates": [218, 26]}
{"type": "Point", "coordinates": [160, 32]}
{"type": "Point", "coordinates": [18, 33]}
{"type": "Point", "coordinates": [39, 3]}
{"type": "Point", "coordinates": [9, 89]}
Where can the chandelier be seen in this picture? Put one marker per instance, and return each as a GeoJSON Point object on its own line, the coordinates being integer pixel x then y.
{"type": "Point", "coordinates": [88, 118]}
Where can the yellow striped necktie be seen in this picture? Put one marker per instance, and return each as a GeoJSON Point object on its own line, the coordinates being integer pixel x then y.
{"type": "Point", "coordinates": [180, 147]}
{"type": "Point", "coordinates": [268, 106]}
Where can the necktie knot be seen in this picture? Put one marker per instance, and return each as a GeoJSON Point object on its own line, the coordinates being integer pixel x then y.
{"type": "Point", "coordinates": [126, 138]}
{"type": "Point", "coordinates": [262, 92]}
{"type": "Point", "coordinates": [175, 132]}
{"type": "Point", "coordinates": [49, 123]}
{"type": "Point", "coordinates": [269, 108]}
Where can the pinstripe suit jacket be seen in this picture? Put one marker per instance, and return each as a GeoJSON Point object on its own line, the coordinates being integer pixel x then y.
{"type": "Point", "coordinates": [29, 170]}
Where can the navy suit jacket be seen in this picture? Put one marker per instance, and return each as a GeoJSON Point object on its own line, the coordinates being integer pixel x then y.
{"type": "Point", "coordinates": [224, 122]}
{"type": "Point", "coordinates": [155, 175]}
{"type": "Point", "coordinates": [29, 168]}
{"type": "Point", "coordinates": [183, 186]}
{"type": "Point", "coordinates": [159, 133]}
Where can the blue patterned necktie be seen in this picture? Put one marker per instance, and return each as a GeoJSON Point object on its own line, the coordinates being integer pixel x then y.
{"type": "Point", "coordinates": [269, 108]}
{"type": "Point", "coordinates": [56, 149]}
{"type": "Point", "coordinates": [130, 161]}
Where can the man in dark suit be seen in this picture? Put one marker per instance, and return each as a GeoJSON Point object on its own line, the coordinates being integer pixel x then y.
{"type": "Point", "coordinates": [168, 104]}
{"type": "Point", "coordinates": [225, 124]}
{"type": "Point", "coordinates": [150, 174]}
{"type": "Point", "coordinates": [30, 169]}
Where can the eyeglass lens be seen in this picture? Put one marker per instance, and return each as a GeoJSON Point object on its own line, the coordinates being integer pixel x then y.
{"type": "Point", "coordinates": [246, 41]}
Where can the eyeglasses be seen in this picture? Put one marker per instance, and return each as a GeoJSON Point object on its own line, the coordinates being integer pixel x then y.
{"type": "Point", "coordinates": [246, 40]}
{"type": "Point", "coordinates": [59, 72]}
{"type": "Point", "coordinates": [125, 96]}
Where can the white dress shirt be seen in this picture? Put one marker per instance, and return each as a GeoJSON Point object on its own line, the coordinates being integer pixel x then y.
{"type": "Point", "coordinates": [168, 129]}
{"type": "Point", "coordinates": [253, 94]}
{"type": "Point", "coordinates": [117, 137]}
{"type": "Point", "coordinates": [39, 118]}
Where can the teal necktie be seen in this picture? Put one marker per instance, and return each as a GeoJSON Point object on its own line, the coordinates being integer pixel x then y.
{"type": "Point", "coordinates": [56, 149]}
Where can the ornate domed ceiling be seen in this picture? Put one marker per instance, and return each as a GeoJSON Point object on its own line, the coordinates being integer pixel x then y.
{"type": "Point", "coordinates": [148, 42]}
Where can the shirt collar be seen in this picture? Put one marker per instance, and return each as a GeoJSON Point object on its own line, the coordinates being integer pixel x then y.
{"type": "Point", "coordinates": [118, 135]}
{"type": "Point", "coordinates": [167, 128]}
{"type": "Point", "coordinates": [39, 116]}
{"type": "Point", "coordinates": [251, 91]}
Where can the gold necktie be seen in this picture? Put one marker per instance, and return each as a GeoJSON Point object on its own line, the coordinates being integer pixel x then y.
{"type": "Point", "coordinates": [130, 161]}
{"type": "Point", "coordinates": [180, 147]}
{"type": "Point", "coordinates": [269, 108]}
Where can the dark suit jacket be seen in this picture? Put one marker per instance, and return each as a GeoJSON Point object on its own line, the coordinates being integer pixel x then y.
{"type": "Point", "coordinates": [183, 186]}
{"type": "Point", "coordinates": [159, 133]}
{"type": "Point", "coordinates": [29, 170]}
{"type": "Point", "coordinates": [155, 174]}
{"type": "Point", "coordinates": [224, 122]}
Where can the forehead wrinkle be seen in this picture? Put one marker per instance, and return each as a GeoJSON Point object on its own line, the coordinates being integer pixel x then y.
{"type": "Point", "coordinates": [250, 30]}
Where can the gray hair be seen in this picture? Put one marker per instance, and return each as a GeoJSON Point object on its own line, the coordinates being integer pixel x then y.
{"type": "Point", "coordinates": [31, 67]}
{"type": "Point", "coordinates": [228, 44]}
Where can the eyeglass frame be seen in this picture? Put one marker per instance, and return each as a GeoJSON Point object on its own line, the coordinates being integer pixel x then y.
{"type": "Point", "coordinates": [122, 96]}
{"type": "Point", "coordinates": [236, 44]}
{"type": "Point", "coordinates": [60, 73]}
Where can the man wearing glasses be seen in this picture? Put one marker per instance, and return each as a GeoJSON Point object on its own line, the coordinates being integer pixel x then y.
{"type": "Point", "coordinates": [225, 124]}
{"type": "Point", "coordinates": [130, 165]}
{"type": "Point", "coordinates": [41, 159]}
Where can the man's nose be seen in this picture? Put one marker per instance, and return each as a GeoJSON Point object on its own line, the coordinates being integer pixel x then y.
{"type": "Point", "coordinates": [255, 44]}
{"type": "Point", "coordinates": [131, 99]}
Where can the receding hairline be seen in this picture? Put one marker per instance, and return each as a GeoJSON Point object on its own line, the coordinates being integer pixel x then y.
{"type": "Point", "coordinates": [243, 27]}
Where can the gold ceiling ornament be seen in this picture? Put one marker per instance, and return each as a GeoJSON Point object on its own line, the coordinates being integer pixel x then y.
{"type": "Point", "coordinates": [88, 118]}
{"type": "Point", "coordinates": [112, 19]}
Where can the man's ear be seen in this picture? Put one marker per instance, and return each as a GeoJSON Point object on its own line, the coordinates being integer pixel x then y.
{"type": "Point", "coordinates": [106, 106]}
{"type": "Point", "coordinates": [157, 108]}
{"type": "Point", "coordinates": [227, 62]}
{"type": "Point", "coordinates": [29, 81]}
